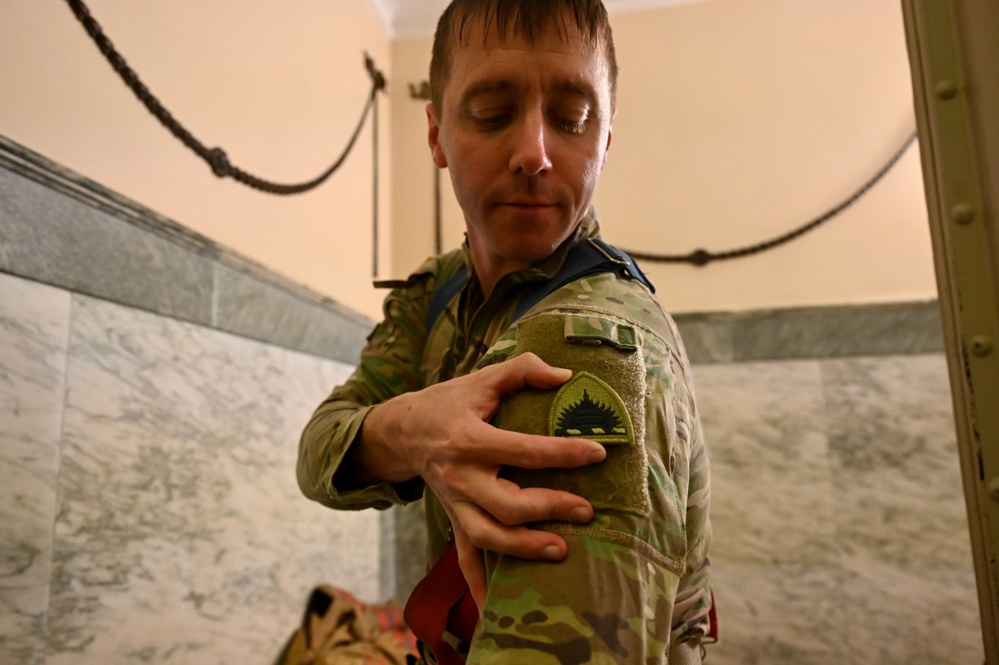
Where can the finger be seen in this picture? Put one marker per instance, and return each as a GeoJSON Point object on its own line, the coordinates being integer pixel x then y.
{"type": "Point", "coordinates": [523, 371]}
{"type": "Point", "coordinates": [502, 447]}
{"type": "Point", "coordinates": [472, 566]}
{"type": "Point", "coordinates": [512, 505]}
{"type": "Point", "coordinates": [487, 533]}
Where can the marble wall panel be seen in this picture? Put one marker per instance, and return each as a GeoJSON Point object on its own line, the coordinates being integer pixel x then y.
{"type": "Point", "coordinates": [410, 536]}
{"type": "Point", "coordinates": [901, 523]}
{"type": "Point", "coordinates": [839, 521]}
{"type": "Point", "coordinates": [774, 553]}
{"type": "Point", "coordinates": [771, 480]}
{"type": "Point", "coordinates": [182, 536]}
{"type": "Point", "coordinates": [34, 324]}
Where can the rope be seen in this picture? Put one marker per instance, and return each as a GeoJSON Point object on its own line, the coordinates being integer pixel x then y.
{"type": "Point", "coordinates": [374, 190]}
{"type": "Point", "coordinates": [702, 257]}
{"type": "Point", "coordinates": [216, 158]}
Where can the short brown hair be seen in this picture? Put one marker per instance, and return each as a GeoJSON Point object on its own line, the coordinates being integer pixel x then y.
{"type": "Point", "coordinates": [528, 18]}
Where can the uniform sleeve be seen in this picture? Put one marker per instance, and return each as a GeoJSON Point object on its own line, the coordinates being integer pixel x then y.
{"type": "Point", "coordinates": [626, 591]}
{"type": "Point", "coordinates": [389, 366]}
{"type": "Point", "coordinates": [694, 599]}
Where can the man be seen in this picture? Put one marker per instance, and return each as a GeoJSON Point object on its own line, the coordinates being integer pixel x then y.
{"type": "Point", "coordinates": [562, 449]}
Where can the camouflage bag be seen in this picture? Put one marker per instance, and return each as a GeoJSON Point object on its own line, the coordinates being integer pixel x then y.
{"type": "Point", "coordinates": [337, 629]}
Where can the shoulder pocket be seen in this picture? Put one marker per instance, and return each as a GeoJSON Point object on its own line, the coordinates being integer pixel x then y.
{"type": "Point", "coordinates": [603, 402]}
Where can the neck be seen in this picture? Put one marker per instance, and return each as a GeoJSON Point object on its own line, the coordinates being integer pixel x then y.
{"type": "Point", "coordinates": [489, 267]}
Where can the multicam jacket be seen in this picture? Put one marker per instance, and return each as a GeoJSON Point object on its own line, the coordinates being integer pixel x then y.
{"type": "Point", "coordinates": [635, 584]}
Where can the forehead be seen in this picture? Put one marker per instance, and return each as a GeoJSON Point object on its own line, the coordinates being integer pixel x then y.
{"type": "Point", "coordinates": [557, 54]}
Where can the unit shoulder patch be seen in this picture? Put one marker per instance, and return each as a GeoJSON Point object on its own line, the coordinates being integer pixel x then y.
{"type": "Point", "coordinates": [587, 407]}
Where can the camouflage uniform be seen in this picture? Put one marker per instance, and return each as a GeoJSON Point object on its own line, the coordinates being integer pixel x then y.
{"type": "Point", "coordinates": [635, 583]}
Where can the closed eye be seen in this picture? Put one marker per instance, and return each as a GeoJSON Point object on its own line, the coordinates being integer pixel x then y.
{"type": "Point", "coordinates": [487, 116]}
{"type": "Point", "coordinates": [572, 126]}
{"type": "Point", "coordinates": [494, 121]}
{"type": "Point", "coordinates": [571, 119]}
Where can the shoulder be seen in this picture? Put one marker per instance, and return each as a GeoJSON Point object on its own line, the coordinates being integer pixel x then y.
{"type": "Point", "coordinates": [410, 297]}
{"type": "Point", "coordinates": [602, 309]}
{"type": "Point", "coordinates": [628, 373]}
{"type": "Point", "coordinates": [614, 337]}
{"type": "Point", "coordinates": [434, 270]}
{"type": "Point", "coordinates": [402, 332]}
{"type": "Point", "coordinates": [610, 296]}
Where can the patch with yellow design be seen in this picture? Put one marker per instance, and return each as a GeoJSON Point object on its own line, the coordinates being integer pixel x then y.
{"type": "Point", "coordinates": [586, 407]}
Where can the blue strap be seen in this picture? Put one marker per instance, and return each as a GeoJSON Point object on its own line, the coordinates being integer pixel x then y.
{"type": "Point", "coordinates": [443, 295]}
{"type": "Point", "coordinates": [587, 258]}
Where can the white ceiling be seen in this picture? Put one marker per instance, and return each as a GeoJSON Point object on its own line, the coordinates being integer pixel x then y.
{"type": "Point", "coordinates": [404, 19]}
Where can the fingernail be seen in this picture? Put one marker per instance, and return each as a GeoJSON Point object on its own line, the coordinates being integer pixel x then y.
{"type": "Point", "coordinates": [552, 552]}
{"type": "Point", "coordinates": [580, 514]}
{"type": "Point", "coordinates": [596, 455]}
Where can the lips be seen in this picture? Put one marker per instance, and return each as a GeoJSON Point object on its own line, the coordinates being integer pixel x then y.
{"type": "Point", "coordinates": [534, 210]}
{"type": "Point", "coordinates": [529, 204]}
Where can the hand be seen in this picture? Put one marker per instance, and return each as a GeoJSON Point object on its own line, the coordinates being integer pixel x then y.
{"type": "Point", "coordinates": [442, 433]}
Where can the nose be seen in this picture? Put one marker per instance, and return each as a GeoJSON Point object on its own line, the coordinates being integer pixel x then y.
{"type": "Point", "coordinates": [530, 153]}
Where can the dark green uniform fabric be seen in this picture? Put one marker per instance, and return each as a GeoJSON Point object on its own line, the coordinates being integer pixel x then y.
{"type": "Point", "coordinates": [635, 584]}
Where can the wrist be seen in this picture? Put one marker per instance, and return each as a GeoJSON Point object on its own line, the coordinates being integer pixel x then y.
{"type": "Point", "coordinates": [374, 457]}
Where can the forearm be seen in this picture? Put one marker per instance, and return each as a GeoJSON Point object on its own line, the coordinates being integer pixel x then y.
{"type": "Point", "coordinates": [342, 461]}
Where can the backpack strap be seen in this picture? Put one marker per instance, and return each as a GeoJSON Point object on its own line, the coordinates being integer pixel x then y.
{"type": "Point", "coordinates": [443, 294]}
{"type": "Point", "coordinates": [591, 257]}
{"type": "Point", "coordinates": [587, 258]}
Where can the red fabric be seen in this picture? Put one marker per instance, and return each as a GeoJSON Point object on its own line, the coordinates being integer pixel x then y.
{"type": "Point", "coordinates": [463, 618]}
{"type": "Point", "coordinates": [442, 601]}
{"type": "Point", "coordinates": [713, 619]}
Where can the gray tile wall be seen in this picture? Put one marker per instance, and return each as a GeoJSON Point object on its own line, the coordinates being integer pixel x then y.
{"type": "Point", "coordinates": [59, 228]}
{"type": "Point", "coordinates": [813, 332]}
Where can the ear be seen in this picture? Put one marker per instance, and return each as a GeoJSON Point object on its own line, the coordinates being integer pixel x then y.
{"type": "Point", "coordinates": [433, 137]}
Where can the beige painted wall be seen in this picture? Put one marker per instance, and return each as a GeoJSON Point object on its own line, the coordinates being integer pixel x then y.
{"type": "Point", "coordinates": [738, 121]}
{"type": "Point", "coordinates": [279, 85]}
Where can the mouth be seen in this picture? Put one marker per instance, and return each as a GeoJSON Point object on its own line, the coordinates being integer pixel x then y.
{"type": "Point", "coordinates": [529, 205]}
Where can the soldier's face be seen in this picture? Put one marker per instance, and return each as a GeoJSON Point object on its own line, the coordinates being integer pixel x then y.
{"type": "Point", "coordinates": [524, 129]}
